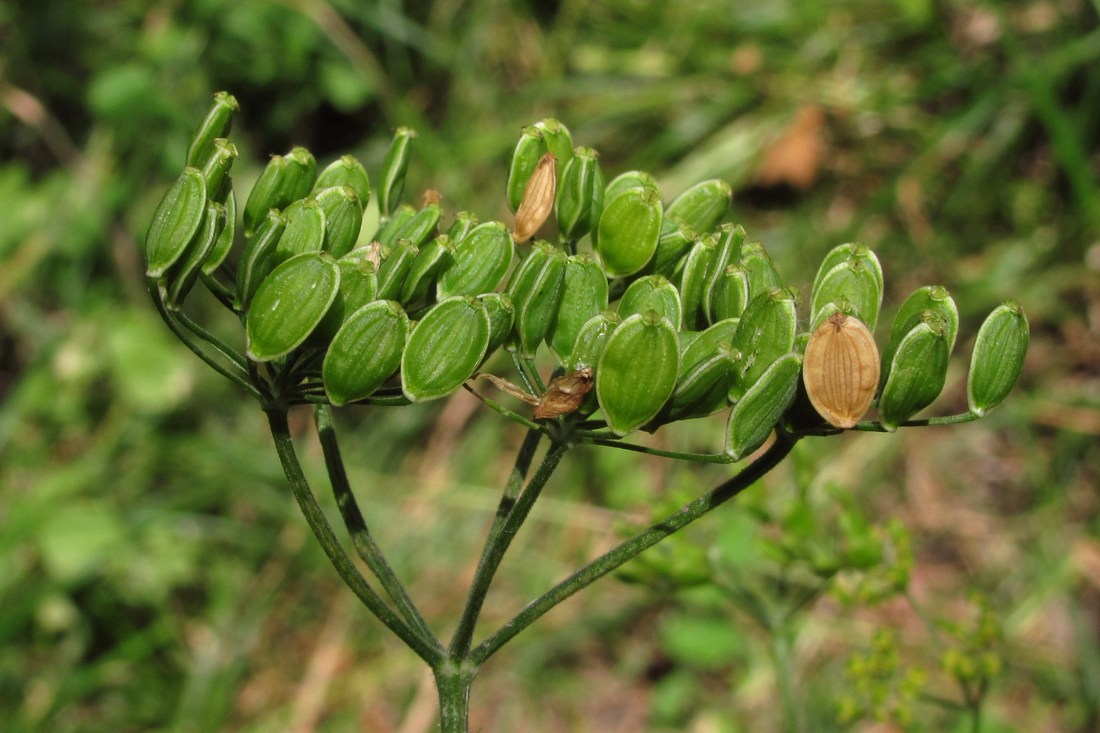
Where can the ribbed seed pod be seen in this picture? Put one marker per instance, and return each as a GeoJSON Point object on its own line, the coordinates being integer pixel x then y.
{"type": "Point", "coordinates": [998, 357]}
{"type": "Point", "coordinates": [762, 273]}
{"type": "Point", "coordinates": [729, 294]}
{"type": "Point", "coordinates": [584, 294]}
{"type": "Point", "coordinates": [177, 219]}
{"type": "Point", "coordinates": [525, 157]}
{"type": "Point", "coordinates": [396, 263]}
{"type": "Point", "coordinates": [285, 179]}
{"type": "Point", "coordinates": [389, 231]}
{"type": "Point", "coordinates": [630, 179]}
{"type": "Point", "coordinates": [444, 348]}
{"type": "Point", "coordinates": [637, 371]}
{"type": "Point", "coordinates": [216, 169]}
{"type": "Point", "coordinates": [755, 416]}
{"type": "Point", "coordinates": [305, 230]}
{"type": "Point", "coordinates": [343, 218]}
{"type": "Point", "coordinates": [420, 227]}
{"type": "Point", "coordinates": [698, 267]}
{"type": "Point", "coordinates": [427, 265]}
{"type": "Point", "coordinates": [558, 140]}
{"type": "Point", "coordinates": [841, 370]}
{"type": "Point", "coordinates": [345, 171]}
{"type": "Point", "coordinates": [765, 332]}
{"type": "Point", "coordinates": [365, 352]}
{"type": "Point", "coordinates": [917, 374]}
{"type": "Point", "coordinates": [672, 247]}
{"type": "Point", "coordinates": [224, 245]}
{"type": "Point", "coordinates": [358, 287]}
{"type": "Point", "coordinates": [707, 365]}
{"type": "Point", "coordinates": [502, 316]}
{"type": "Point", "coordinates": [652, 293]}
{"type": "Point", "coordinates": [185, 272]}
{"type": "Point", "coordinates": [536, 289]}
{"type": "Point", "coordinates": [480, 261]}
{"type": "Point", "coordinates": [258, 257]}
{"type": "Point", "coordinates": [932, 298]}
{"type": "Point", "coordinates": [854, 285]}
{"type": "Point", "coordinates": [394, 167]}
{"type": "Point", "coordinates": [289, 305]}
{"type": "Point", "coordinates": [463, 224]}
{"type": "Point", "coordinates": [538, 199]}
{"type": "Point", "coordinates": [628, 230]}
{"type": "Point", "coordinates": [591, 339]}
{"type": "Point", "coordinates": [217, 124]}
{"type": "Point", "coordinates": [844, 252]}
{"type": "Point", "coordinates": [580, 194]}
{"type": "Point", "coordinates": [702, 206]}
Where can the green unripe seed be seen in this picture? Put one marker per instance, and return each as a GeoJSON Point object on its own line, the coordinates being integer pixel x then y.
{"type": "Point", "coordinates": [536, 290]}
{"type": "Point", "coordinates": [652, 293]}
{"type": "Point", "coordinates": [305, 230]}
{"type": "Point", "coordinates": [285, 179]}
{"type": "Point", "coordinates": [918, 371]}
{"type": "Point", "coordinates": [394, 168]}
{"type": "Point", "coordinates": [431, 259]}
{"type": "Point", "coordinates": [397, 262]}
{"type": "Point", "coordinates": [185, 272]}
{"type": "Point", "coordinates": [480, 261]}
{"type": "Point", "coordinates": [580, 194]}
{"type": "Point", "coordinates": [702, 206]}
{"type": "Point", "coordinates": [637, 371]}
{"type": "Point", "coordinates": [343, 218]}
{"type": "Point", "coordinates": [765, 332]}
{"type": "Point", "coordinates": [756, 414]}
{"type": "Point", "coordinates": [258, 257]}
{"type": "Point", "coordinates": [591, 339]}
{"type": "Point", "coordinates": [217, 124]}
{"type": "Point", "coordinates": [289, 305]}
{"type": "Point", "coordinates": [525, 157]}
{"type": "Point", "coordinates": [584, 295]}
{"type": "Point", "coordinates": [345, 171]}
{"type": "Point", "coordinates": [628, 230]}
{"type": "Point", "coordinates": [698, 268]}
{"type": "Point", "coordinates": [175, 222]}
{"type": "Point", "coordinates": [444, 348]}
{"type": "Point", "coordinates": [365, 352]}
{"type": "Point", "coordinates": [998, 357]}
{"type": "Point", "coordinates": [224, 245]}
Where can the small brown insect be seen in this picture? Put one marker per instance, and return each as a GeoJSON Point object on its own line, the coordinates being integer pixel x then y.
{"type": "Point", "coordinates": [565, 394]}
{"type": "Point", "coordinates": [841, 370]}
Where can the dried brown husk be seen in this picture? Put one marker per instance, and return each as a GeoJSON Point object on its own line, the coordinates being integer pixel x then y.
{"type": "Point", "coordinates": [538, 199]}
{"type": "Point", "coordinates": [841, 370]}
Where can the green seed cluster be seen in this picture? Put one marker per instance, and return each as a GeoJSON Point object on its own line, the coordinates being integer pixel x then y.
{"type": "Point", "coordinates": [677, 314]}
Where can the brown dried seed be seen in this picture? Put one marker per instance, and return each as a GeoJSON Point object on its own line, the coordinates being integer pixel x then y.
{"type": "Point", "coordinates": [565, 394]}
{"type": "Point", "coordinates": [538, 199]}
{"type": "Point", "coordinates": [841, 370]}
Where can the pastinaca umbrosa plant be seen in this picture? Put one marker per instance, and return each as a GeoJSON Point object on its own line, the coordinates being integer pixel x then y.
{"type": "Point", "coordinates": [652, 313]}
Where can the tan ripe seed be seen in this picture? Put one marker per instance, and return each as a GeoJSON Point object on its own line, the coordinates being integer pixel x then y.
{"type": "Point", "coordinates": [841, 370]}
{"type": "Point", "coordinates": [538, 199]}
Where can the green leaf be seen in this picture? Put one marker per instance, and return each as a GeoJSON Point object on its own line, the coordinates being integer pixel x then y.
{"type": "Point", "coordinates": [998, 357]}
{"type": "Point", "coordinates": [755, 415]}
{"type": "Point", "coordinates": [365, 352]}
{"type": "Point", "coordinates": [289, 304]}
{"type": "Point", "coordinates": [175, 222]}
{"type": "Point", "coordinates": [445, 348]}
{"type": "Point", "coordinates": [637, 371]}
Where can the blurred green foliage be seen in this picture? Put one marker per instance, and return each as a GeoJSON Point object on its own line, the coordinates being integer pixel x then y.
{"type": "Point", "coordinates": [153, 572]}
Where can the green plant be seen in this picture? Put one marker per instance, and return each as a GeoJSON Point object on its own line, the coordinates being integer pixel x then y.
{"type": "Point", "coordinates": [399, 309]}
